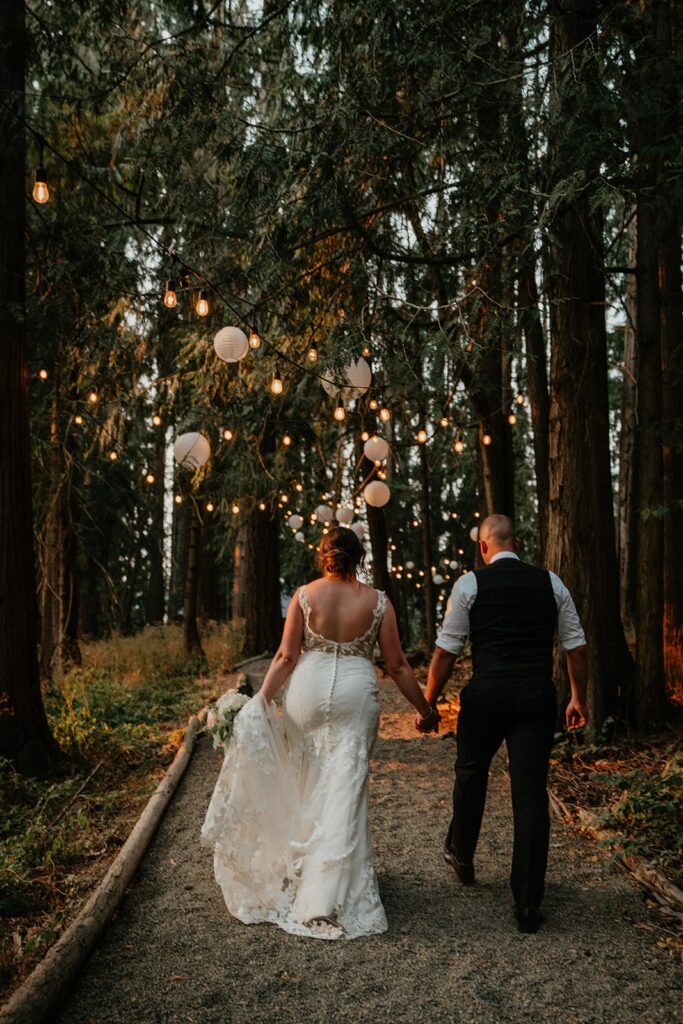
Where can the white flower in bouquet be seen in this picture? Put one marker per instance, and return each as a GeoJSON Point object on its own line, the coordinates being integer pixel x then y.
{"type": "Point", "coordinates": [221, 714]}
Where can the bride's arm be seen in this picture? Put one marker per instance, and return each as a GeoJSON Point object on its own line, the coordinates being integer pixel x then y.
{"type": "Point", "coordinates": [287, 653]}
{"type": "Point", "coordinates": [397, 666]}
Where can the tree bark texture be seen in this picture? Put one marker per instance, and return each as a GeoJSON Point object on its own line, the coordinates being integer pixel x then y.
{"type": "Point", "coordinates": [581, 536]}
{"type": "Point", "coordinates": [25, 735]}
{"type": "Point", "coordinates": [628, 457]}
{"type": "Point", "coordinates": [261, 580]}
{"type": "Point", "coordinates": [191, 639]}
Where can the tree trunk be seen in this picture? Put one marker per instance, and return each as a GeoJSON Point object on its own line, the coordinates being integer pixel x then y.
{"type": "Point", "coordinates": [238, 608]}
{"type": "Point", "coordinates": [191, 639]}
{"type": "Point", "coordinates": [261, 580]}
{"type": "Point", "coordinates": [627, 524]}
{"type": "Point", "coordinates": [537, 383]}
{"type": "Point", "coordinates": [155, 605]}
{"type": "Point", "coordinates": [25, 735]}
{"type": "Point", "coordinates": [427, 551]}
{"type": "Point", "coordinates": [581, 536]}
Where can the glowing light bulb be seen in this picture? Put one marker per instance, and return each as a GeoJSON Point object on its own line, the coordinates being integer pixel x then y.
{"type": "Point", "coordinates": [469, 346]}
{"type": "Point", "coordinates": [421, 435]}
{"type": "Point", "coordinates": [512, 419]}
{"type": "Point", "coordinates": [284, 498]}
{"type": "Point", "coordinates": [254, 339]}
{"type": "Point", "coordinates": [519, 398]}
{"type": "Point", "coordinates": [149, 478]}
{"type": "Point", "coordinates": [42, 374]}
{"type": "Point", "coordinates": [92, 397]}
{"type": "Point", "coordinates": [235, 509]}
{"type": "Point", "coordinates": [444, 421]}
{"type": "Point", "coordinates": [170, 297]}
{"type": "Point", "coordinates": [286, 440]}
{"type": "Point", "coordinates": [366, 351]}
{"type": "Point", "coordinates": [276, 385]}
{"type": "Point", "coordinates": [41, 193]}
{"type": "Point", "coordinates": [202, 307]}
{"type": "Point", "coordinates": [454, 515]}
{"type": "Point", "coordinates": [486, 439]}
{"type": "Point", "coordinates": [210, 506]}
{"type": "Point", "coordinates": [477, 514]}
{"type": "Point", "coordinates": [373, 404]}
{"type": "Point", "coordinates": [228, 434]}
{"type": "Point", "coordinates": [78, 419]}
{"type": "Point", "coordinates": [415, 522]}
{"type": "Point", "coordinates": [459, 445]}
{"type": "Point", "coordinates": [298, 487]}
{"type": "Point", "coordinates": [156, 419]}
{"type": "Point", "coordinates": [384, 414]}
{"type": "Point", "coordinates": [312, 353]}
{"type": "Point", "coordinates": [340, 411]}
{"type": "Point", "coordinates": [113, 456]}
{"type": "Point", "coordinates": [178, 499]}
{"type": "Point", "coordinates": [365, 436]}
{"type": "Point", "coordinates": [262, 506]}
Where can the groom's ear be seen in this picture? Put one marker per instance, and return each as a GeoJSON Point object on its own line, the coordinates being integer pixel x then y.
{"type": "Point", "coordinates": [518, 543]}
{"type": "Point", "coordinates": [484, 546]}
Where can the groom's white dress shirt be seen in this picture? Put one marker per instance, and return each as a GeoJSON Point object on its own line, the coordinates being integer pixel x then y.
{"type": "Point", "coordinates": [455, 627]}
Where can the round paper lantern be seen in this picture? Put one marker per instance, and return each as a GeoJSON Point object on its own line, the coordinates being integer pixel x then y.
{"type": "Point", "coordinates": [453, 564]}
{"type": "Point", "coordinates": [358, 375]}
{"type": "Point", "coordinates": [376, 449]}
{"type": "Point", "coordinates": [191, 450]}
{"type": "Point", "coordinates": [324, 513]}
{"type": "Point", "coordinates": [298, 536]}
{"type": "Point", "coordinates": [231, 344]}
{"type": "Point", "coordinates": [359, 530]}
{"type": "Point", "coordinates": [438, 579]}
{"type": "Point", "coordinates": [295, 521]}
{"type": "Point", "coordinates": [410, 565]}
{"type": "Point", "coordinates": [344, 515]}
{"type": "Point", "coordinates": [474, 533]}
{"type": "Point", "coordinates": [377, 493]}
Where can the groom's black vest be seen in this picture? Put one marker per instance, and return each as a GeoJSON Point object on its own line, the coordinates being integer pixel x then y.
{"type": "Point", "coordinates": [512, 621]}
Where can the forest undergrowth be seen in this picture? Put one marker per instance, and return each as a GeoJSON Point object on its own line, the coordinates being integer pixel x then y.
{"type": "Point", "coordinates": [119, 719]}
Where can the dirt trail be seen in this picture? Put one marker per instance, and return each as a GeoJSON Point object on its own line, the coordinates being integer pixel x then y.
{"type": "Point", "coordinates": [452, 954]}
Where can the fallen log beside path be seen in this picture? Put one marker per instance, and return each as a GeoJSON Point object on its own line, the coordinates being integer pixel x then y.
{"type": "Point", "coordinates": [34, 1000]}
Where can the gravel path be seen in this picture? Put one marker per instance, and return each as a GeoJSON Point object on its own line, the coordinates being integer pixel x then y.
{"type": "Point", "coordinates": [174, 955]}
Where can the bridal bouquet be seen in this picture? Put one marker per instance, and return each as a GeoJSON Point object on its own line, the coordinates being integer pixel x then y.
{"type": "Point", "coordinates": [221, 714]}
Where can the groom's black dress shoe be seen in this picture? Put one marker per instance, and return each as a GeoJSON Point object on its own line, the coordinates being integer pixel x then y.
{"type": "Point", "coordinates": [465, 872]}
{"type": "Point", "coordinates": [529, 919]}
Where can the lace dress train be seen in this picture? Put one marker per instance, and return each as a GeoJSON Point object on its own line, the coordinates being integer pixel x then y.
{"type": "Point", "coordinates": [288, 816]}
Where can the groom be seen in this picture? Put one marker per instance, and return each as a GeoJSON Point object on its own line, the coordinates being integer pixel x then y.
{"type": "Point", "coordinates": [511, 611]}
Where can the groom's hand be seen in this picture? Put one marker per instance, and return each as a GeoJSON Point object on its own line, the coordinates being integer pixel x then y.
{"type": "Point", "coordinates": [576, 715]}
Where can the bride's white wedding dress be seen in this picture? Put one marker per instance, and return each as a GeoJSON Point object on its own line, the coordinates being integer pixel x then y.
{"type": "Point", "coordinates": [288, 816]}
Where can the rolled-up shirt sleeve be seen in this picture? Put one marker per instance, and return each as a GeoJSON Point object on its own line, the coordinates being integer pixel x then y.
{"type": "Point", "coordinates": [569, 630]}
{"type": "Point", "coordinates": [455, 627]}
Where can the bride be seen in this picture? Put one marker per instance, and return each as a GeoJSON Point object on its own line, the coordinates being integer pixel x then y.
{"type": "Point", "coordinates": [288, 816]}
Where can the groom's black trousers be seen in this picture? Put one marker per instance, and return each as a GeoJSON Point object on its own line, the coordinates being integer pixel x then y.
{"type": "Point", "coordinates": [523, 713]}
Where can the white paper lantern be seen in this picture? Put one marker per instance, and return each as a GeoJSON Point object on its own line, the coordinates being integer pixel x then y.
{"type": "Point", "coordinates": [191, 450]}
{"type": "Point", "coordinates": [358, 375]}
{"type": "Point", "coordinates": [344, 515]}
{"type": "Point", "coordinates": [474, 533]}
{"type": "Point", "coordinates": [438, 579]}
{"type": "Point", "coordinates": [453, 564]}
{"type": "Point", "coordinates": [376, 449]}
{"type": "Point", "coordinates": [231, 344]}
{"type": "Point", "coordinates": [295, 521]}
{"type": "Point", "coordinates": [324, 513]}
{"type": "Point", "coordinates": [377, 493]}
{"type": "Point", "coordinates": [410, 565]}
{"type": "Point", "coordinates": [299, 536]}
{"type": "Point", "coordinates": [359, 530]}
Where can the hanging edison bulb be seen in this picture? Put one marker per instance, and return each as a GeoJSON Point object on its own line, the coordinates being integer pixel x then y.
{"type": "Point", "coordinates": [149, 478]}
{"type": "Point", "coordinates": [156, 420]}
{"type": "Point", "coordinates": [41, 193]}
{"type": "Point", "coordinates": [444, 421]}
{"type": "Point", "coordinates": [262, 506]}
{"type": "Point", "coordinates": [373, 404]}
{"type": "Point", "coordinates": [312, 354]}
{"type": "Point", "coordinates": [486, 439]}
{"type": "Point", "coordinates": [92, 397]}
{"type": "Point", "coordinates": [364, 436]}
{"type": "Point", "coordinates": [170, 296]}
{"type": "Point", "coordinates": [178, 499]}
{"type": "Point", "coordinates": [519, 398]}
{"type": "Point", "coordinates": [202, 307]}
{"type": "Point", "coordinates": [512, 419]}
{"type": "Point", "coordinates": [228, 434]}
{"type": "Point", "coordinates": [254, 338]}
{"type": "Point", "coordinates": [276, 385]}
{"type": "Point", "coordinates": [459, 445]}
{"type": "Point", "coordinates": [384, 414]}
{"type": "Point", "coordinates": [340, 411]}
{"type": "Point", "coordinates": [113, 456]}
{"type": "Point", "coordinates": [210, 506]}
{"type": "Point", "coordinates": [78, 419]}
{"type": "Point", "coordinates": [286, 440]}
{"type": "Point", "coordinates": [421, 436]}
{"type": "Point", "coordinates": [235, 509]}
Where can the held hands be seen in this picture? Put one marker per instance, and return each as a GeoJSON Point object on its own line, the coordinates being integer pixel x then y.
{"type": "Point", "coordinates": [428, 724]}
{"type": "Point", "coordinates": [576, 715]}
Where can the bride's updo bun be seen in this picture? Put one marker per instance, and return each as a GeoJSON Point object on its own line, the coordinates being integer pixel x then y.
{"type": "Point", "coordinates": [340, 553]}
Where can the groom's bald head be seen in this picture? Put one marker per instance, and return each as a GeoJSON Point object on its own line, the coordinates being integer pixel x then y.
{"type": "Point", "coordinates": [498, 531]}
